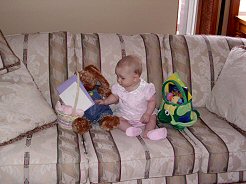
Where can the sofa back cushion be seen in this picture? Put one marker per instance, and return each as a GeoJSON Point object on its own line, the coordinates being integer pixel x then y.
{"type": "Point", "coordinates": [199, 60]}
{"type": "Point", "coordinates": [49, 58]}
{"type": "Point", "coordinates": [53, 57]}
{"type": "Point", "coordinates": [105, 50]}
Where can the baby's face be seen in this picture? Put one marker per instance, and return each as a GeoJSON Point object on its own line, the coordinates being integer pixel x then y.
{"type": "Point", "coordinates": [126, 77]}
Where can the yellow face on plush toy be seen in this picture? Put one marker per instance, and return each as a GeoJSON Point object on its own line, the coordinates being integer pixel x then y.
{"type": "Point", "coordinates": [91, 93]}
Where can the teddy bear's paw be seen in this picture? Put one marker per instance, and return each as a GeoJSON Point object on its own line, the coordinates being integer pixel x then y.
{"type": "Point", "coordinates": [105, 92]}
{"type": "Point", "coordinates": [109, 122]}
{"type": "Point", "coordinates": [81, 125]}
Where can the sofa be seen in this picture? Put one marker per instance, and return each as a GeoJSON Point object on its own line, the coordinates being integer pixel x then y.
{"type": "Point", "coordinates": [213, 150]}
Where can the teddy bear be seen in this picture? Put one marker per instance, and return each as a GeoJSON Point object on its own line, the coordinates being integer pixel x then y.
{"type": "Point", "coordinates": [98, 88]}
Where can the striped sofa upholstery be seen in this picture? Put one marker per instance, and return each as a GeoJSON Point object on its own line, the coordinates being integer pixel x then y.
{"type": "Point", "coordinates": [54, 155]}
{"type": "Point", "coordinates": [203, 57]}
{"type": "Point", "coordinates": [212, 151]}
{"type": "Point", "coordinates": [211, 146]}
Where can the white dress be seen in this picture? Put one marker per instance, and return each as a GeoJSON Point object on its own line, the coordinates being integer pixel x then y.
{"type": "Point", "coordinates": [133, 104]}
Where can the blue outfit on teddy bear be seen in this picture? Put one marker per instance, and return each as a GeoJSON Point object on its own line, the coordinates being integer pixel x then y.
{"type": "Point", "coordinates": [96, 112]}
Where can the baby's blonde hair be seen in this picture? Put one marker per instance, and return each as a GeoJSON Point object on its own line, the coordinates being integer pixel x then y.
{"type": "Point", "coordinates": [133, 62]}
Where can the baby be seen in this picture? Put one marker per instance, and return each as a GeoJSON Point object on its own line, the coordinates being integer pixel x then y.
{"type": "Point", "coordinates": [136, 100]}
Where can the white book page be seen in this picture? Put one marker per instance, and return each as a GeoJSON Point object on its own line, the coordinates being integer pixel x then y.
{"type": "Point", "coordinates": [68, 97]}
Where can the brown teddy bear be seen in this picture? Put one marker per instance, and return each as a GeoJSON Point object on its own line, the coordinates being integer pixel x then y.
{"type": "Point", "coordinates": [98, 88]}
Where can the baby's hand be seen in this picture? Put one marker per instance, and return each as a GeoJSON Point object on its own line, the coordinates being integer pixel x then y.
{"type": "Point", "coordinates": [145, 118]}
{"type": "Point", "coordinates": [100, 102]}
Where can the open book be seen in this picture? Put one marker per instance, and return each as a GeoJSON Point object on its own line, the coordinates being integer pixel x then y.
{"type": "Point", "coordinates": [67, 92]}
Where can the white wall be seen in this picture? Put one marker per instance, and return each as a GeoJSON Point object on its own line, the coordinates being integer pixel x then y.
{"type": "Point", "coordinates": [122, 16]}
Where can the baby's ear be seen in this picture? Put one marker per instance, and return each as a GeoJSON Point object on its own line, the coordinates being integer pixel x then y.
{"type": "Point", "coordinates": [136, 76]}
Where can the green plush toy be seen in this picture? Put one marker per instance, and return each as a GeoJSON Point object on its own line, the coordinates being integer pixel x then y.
{"type": "Point", "coordinates": [176, 107]}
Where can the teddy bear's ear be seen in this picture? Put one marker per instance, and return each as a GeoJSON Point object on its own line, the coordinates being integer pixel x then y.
{"type": "Point", "coordinates": [91, 67]}
{"type": "Point", "coordinates": [104, 85]}
{"type": "Point", "coordinates": [96, 72]}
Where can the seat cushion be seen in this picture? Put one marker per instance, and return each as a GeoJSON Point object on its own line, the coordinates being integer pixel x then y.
{"type": "Point", "coordinates": [115, 157]}
{"type": "Point", "coordinates": [195, 178]}
{"type": "Point", "coordinates": [223, 147]}
{"type": "Point", "coordinates": [54, 155]}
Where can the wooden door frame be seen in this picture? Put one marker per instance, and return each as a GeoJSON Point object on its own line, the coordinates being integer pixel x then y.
{"type": "Point", "coordinates": [207, 17]}
{"type": "Point", "coordinates": [234, 9]}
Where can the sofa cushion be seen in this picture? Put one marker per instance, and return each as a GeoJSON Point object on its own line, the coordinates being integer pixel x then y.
{"type": "Point", "coordinates": [49, 57]}
{"type": "Point", "coordinates": [22, 107]}
{"type": "Point", "coordinates": [198, 59]}
{"type": "Point", "coordinates": [54, 155]}
{"type": "Point", "coordinates": [104, 50]}
{"type": "Point", "coordinates": [115, 157]}
{"type": "Point", "coordinates": [223, 147]}
{"type": "Point", "coordinates": [228, 96]}
{"type": "Point", "coordinates": [8, 60]}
